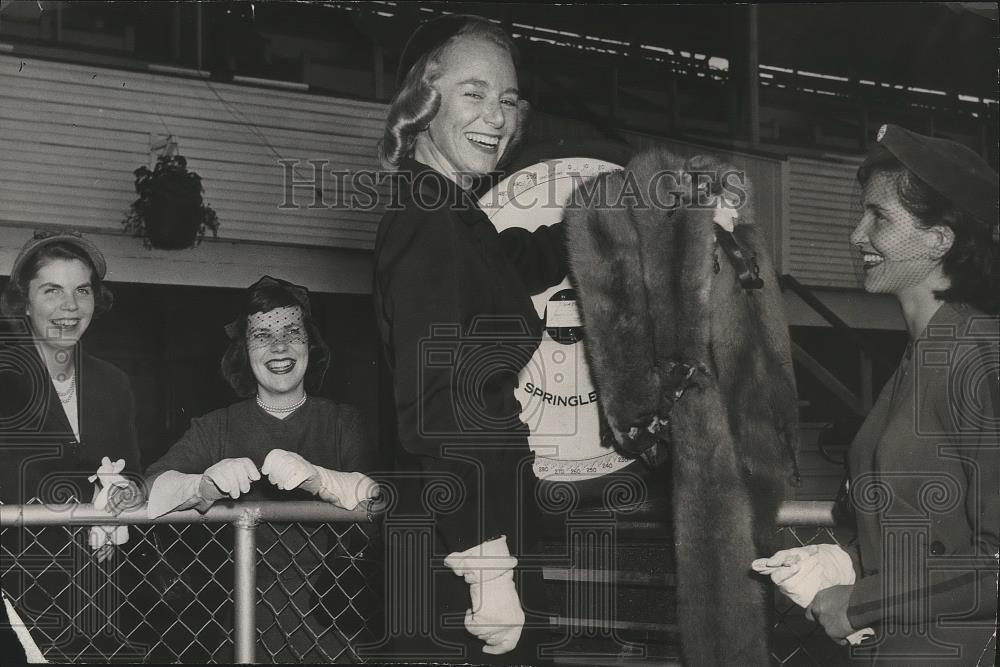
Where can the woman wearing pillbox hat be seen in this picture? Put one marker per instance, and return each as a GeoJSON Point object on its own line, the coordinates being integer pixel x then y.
{"type": "Point", "coordinates": [441, 266]}
{"type": "Point", "coordinates": [925, 465]}
{"type": "Point", "coordinates": [281, 442]}
{"type": "Point", "coordinates": [61, 412]}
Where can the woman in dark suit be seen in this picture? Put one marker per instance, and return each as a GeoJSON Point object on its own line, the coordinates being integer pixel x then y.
{"type": "Point", "coordinates": [61, 410]}
{"type": "Point", "coordinates": [453, 304]}
{"type": "Point", "coordinates": [925, 465]}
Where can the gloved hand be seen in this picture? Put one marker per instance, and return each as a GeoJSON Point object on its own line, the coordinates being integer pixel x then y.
{"type": "Point", "coordinates": [802, 572]}
{"type": "Point", "coordinates": [174, 491]}
{"type": "Point", "coordinates": [288, 470]}
{"type": "Point", "coordinates": [108, 479]}
{"type": "Point", "coordinates": [228, 477]}
{"type": "Point", "coordinates": [496, 616]}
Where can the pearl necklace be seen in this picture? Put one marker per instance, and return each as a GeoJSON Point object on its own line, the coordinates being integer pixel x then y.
{"type": "Point", "coordinates": [281, 411]}
{"type": "Point", "coordinates": [67, 396]}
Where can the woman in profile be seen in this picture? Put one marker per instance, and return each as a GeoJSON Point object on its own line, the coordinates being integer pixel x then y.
{"type": "Point", "coordinates": [925, 465]}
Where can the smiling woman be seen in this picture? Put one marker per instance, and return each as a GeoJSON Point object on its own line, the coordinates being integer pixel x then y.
{"type": "Point", "coordinates": [478, 113]}
{"type": "Point", "coordinates": [277, 351]}
{"type": "Point", "coordinates": [445, 268]}
{"type": "Point", "coordinates": [460, 104]}
{"type": "Point", "coordinates": [281, 444]}
{"type": "Point", "coordinates": [925, 465]}
{"type": "Point", "coordinates": [61, 412]}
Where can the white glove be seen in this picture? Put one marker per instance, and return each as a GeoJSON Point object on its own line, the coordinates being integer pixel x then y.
{"type": "Point", "coordinates": [108, 476]}
{"type": "Point", "coordinates": [496, 616]}
{"type": "Point", "coordinates": [802, 572]}
{"type": "Point", "coordinates": [176, 490]}
{"type": "Point", "coordinates": [233, 476]}
{"type": "Point", "coordinates": [171, 490]}
{"type": "Point", "coordinates": [288, 470]}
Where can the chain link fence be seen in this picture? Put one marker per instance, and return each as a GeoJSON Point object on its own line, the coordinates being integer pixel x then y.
{"type": "Point", "coordinates": [269, 582]}
{"type": "Point", "coordinates": [797, 641]}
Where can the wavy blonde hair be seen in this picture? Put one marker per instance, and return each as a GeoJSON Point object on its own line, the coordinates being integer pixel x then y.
{"type": "Point", "coordinates": [417, 101]}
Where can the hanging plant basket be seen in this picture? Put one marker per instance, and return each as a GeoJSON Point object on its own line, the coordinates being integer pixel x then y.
{"type": "Point", "coordinates": [170, 213]}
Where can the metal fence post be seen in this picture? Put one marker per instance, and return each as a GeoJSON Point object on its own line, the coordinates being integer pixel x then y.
{"type": "Point", "coordinates": [245, 587]}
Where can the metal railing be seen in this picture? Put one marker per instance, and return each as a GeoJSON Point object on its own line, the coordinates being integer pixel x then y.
{"type": "Point", "coordinates": [304, 580]}
{"type": "Point", "coordinates": [306, 583]}
{"type": "Point", "coordinates": [794, 639]}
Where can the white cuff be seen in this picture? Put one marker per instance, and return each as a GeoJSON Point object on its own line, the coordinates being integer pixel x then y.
{"type": "Point", "coordinates": [350, 488]}
{"type": "Point", "coordinates": [483, 562]}
{"type": "Point", "coordinates": [171, 490]}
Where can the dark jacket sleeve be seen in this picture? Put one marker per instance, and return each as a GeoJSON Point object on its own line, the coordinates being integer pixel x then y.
{"type": "Point", "coordinates": [107, 413]}
{"type": "Point", "coordinates": [423, 290]}
{"type": "Point", "coordinates": [539, 256]}
{"type": "Point", "coordinates": [198, 449]}
{"type": "Point", "coordinates": [423, 293]}
{"type": "Point", "coordinates": [965, 582]}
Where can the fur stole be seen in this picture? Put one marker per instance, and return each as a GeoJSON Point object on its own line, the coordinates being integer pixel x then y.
{"type": "Point", "coordinates": [664, 312]}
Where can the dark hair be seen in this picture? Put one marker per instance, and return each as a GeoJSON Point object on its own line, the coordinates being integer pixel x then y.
{"type": "Point", "coordinates": [14, 301]}
{"type": "Point", "coordinates": [417, 101]}
{"type": "Point", "coordinates": [973, 262]}
{"type": "Point", "coordinates": [236, 362]}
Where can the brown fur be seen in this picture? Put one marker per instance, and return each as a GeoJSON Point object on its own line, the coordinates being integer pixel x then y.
{"type": "Point", "coordinates": [650, 295]}
{"type": "Point", "coordinates": [606, 270]}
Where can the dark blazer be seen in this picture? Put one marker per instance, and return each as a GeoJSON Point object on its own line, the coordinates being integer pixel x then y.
{"type": "Point", "coordinates": [925, 486]}
{"type": "Point", "coordinates": [40, 455]}
{"type": "Point", "coordinates": [453, 305]}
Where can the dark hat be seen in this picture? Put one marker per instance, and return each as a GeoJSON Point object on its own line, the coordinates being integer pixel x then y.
{"type": "Point", "coordinates": [428, 36]}
{"type": "Point", "coordinates": [953, 170]}
{"type": "Point", "coordinates": [43, 238]}
{"type": "Point", "coordinates": [298, 292]}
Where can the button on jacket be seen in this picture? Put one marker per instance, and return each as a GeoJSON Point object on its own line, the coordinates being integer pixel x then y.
{"type": "Point", "coordinates": [925, 485]}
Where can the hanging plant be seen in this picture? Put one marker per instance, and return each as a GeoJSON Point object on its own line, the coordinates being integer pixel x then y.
{"type": "Point", "coordinates": [170, 213]}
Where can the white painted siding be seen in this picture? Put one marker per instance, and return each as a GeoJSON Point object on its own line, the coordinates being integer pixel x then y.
{"type": "Point", "coordinates": [71, 136]}
{"type": "Point", "coordinates": [823, 209]}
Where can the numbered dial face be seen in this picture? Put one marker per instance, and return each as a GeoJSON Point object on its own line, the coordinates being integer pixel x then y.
{"type": "Point", "coordinates": [559, 402]}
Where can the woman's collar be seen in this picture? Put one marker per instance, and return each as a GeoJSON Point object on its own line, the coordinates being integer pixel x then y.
{"type": "Point", "coordinates": [436, 190]}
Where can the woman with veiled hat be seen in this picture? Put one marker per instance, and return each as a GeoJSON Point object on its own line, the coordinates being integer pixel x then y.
{"type": "Point", "coordinates": [925, 465]}
{"type": "Point", "coordinates": [445, 277]}
{"type": "Point", "coordinates": [304, 445]}
{"type": "Point", "coordinates": [62, 411]}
